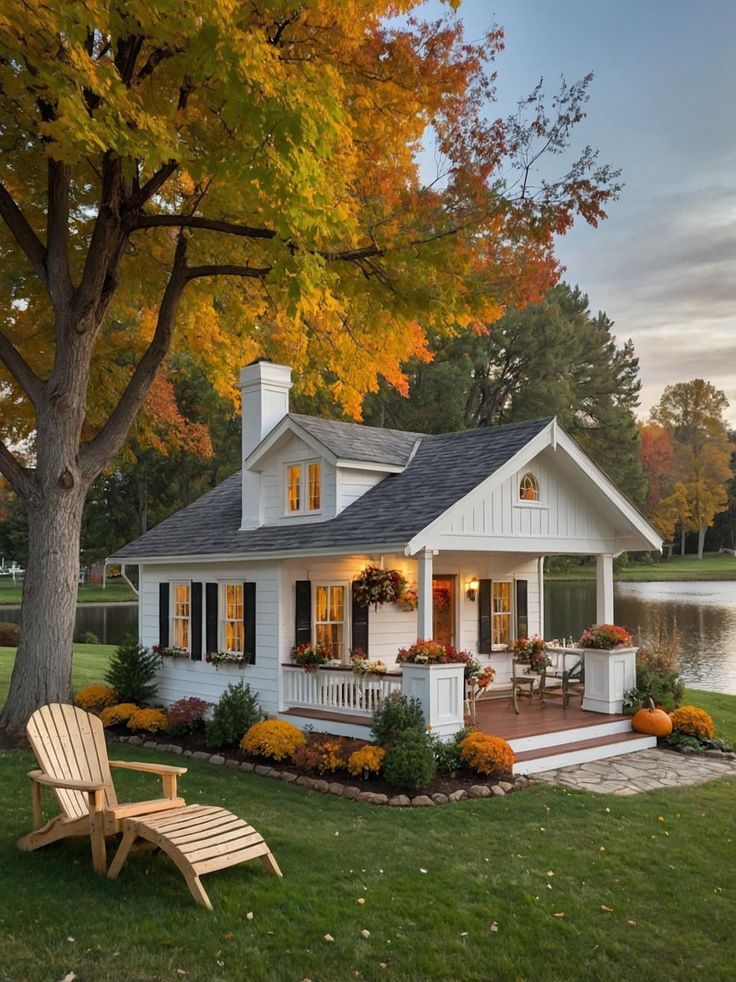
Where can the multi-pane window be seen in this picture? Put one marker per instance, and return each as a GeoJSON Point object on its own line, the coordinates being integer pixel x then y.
{"type": "Point", "coordinates": [501, 612]}
{"type": "Point", "coordinates": [181, 616]}
{"type": "Point", "coordinates": [528, 488]}
{"type": "Point", "coordinates": [233, 631]}
{"type": "Point", "coordinates": [294, 487]}
{"type": "Point", "coordinates": [303, 488]}
{"type": "Point", "coordinates": [314, 485]}
{"type": "Point", "coordinates": [329, 618]}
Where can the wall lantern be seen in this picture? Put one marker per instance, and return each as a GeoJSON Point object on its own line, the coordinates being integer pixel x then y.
{"type": "Point", "coordinates": [471, 589]}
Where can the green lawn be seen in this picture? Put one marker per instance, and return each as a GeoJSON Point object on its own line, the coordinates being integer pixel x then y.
{"type": "Point", "coordinates": [646, 886]}
{"type": "Point", "coordinates": [711, 567]}
{"type": "Point", "coordinates": [90, 663]}
{"type": "Point", "coordinates": [10, 593]}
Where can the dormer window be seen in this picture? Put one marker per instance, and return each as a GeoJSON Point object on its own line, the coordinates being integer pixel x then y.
{"type": "Point", "coordinates": [303, 488]}
{"type": "Point", "coordinates": [528, 488]}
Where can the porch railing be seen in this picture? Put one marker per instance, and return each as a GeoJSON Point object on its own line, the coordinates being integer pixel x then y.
{"type": "Point", "coordinates": [337, 689]}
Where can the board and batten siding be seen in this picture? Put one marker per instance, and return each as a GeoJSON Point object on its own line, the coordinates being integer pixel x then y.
{"type": "Point", "coordinates": [565, 513]}
{"type": "Point", "coordinates": [179, 678]}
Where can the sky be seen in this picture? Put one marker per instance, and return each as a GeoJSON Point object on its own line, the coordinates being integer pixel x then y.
{"type": "Point", "coordinates": [662, 108]}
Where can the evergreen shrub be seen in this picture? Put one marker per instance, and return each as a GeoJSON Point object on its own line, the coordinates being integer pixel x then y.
{"type": "Point", "coordinates": [236, 711]}
{"type": "Point", "coordinates": [132, 672]}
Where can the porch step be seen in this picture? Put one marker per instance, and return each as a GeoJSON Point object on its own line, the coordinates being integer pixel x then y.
{"type": "Point", "coordinates": [341, 724]}
{"type": "Point", "coordinates": [559, 732]}
{"type": "Point", "coordinates": [599, 748]}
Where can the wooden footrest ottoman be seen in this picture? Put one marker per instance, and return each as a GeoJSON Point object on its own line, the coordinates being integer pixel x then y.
{"type": "Point", "coordinates": [199, 839]}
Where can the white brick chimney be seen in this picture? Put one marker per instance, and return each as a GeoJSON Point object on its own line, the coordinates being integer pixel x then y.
{"type": "Point", "coordinates": [264, 389]}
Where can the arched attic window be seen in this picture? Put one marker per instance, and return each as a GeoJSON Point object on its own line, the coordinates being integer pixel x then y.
{"type": "Point", "coordinates": [528, 488]}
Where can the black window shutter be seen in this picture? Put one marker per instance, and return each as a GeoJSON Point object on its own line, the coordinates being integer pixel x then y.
{"type": "Point", "coordinates": [522, 609]}
{"type": "Point", "coordinates": [196, 625]}
{"type": "Point", "coordinates": [163, 614]}
{"type": "Point", "coordinates": [359, 622]}
{"type": "Point", "coordinates": [210, 616]}
{"type": "Point", "coordinates": [249, 622]}
{"type": "Point", "coordinates": [303, 612]}
{"type": "Point", "coordinates": [484, 617]}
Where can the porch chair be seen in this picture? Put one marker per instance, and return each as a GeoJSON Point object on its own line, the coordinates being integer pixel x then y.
{"type": "Point", "coordinates": [70, 748]}
{"type": "Point", "coordinates": [566, 671]}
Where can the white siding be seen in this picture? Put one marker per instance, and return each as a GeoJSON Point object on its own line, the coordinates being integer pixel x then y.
{"type": "Point", "coordinates": [179, 678]}
{"type": "Point", "coordinates": [353, 483]}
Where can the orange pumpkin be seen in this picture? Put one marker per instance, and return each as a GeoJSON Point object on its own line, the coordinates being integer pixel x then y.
{"type": "Point", "coordinates": [654, 722]}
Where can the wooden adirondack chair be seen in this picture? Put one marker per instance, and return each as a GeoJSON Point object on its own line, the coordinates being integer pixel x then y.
{"type": "Point", "coordinates": [69, 744]}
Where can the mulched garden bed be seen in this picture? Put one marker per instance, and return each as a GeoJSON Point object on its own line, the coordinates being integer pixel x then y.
{"type": "Point", "coordinates": [443, 789]}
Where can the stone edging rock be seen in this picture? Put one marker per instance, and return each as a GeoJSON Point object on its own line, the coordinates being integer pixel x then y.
{"type": "Point", "coordinates": [336, 788]}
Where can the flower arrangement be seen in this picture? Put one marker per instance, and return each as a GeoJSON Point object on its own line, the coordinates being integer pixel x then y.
{"type": "Point", "coordinates": [171, 651]}
{"type": "Point", "coordinates": [362, 666]}
{"type": "Point", "coordinates": [366, 761]}
{"type": "Point", "coordinates": [273, 738]}
{"type": "Point", "coordinates": [323, 753]}
{"type": "Point", "coordinates": [694, 722]}
{"type": "Point", "coordinates": [310, 656]}
{"type": "Point", "coordinates": [605, 637]}
{"type": "Point", "coordinates": [486, 754]}
{"type": "Point", "coordinates": [378, 586]}
{"type": "Point", "coordinates": [148, 720]}
{"type": "Point", "coordinates": [95, 698]}
{"type": "Point", "coordinates": [532, 652]}
{"type": "Point", "coordinates": [218, 658]}
{"type": "Point", "coordinates": [432, 653]}
{"type": "Point", "coordinates": [118, 714]}
{"type": "Point", "coordinates": [479, 675]}
{"type": "Point", "coordinates": [441, 597]}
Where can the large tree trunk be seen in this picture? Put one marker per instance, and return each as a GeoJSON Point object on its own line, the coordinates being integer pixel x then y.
{"type": "Point", "coordinates": [701, 541]}
{"type": "Point", "coordinates": [43, 665]}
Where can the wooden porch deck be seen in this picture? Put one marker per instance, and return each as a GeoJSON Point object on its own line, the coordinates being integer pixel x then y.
{"type": "Point", "coordinates": [495, 716]}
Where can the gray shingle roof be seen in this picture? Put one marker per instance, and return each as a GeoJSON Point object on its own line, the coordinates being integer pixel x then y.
{"type": "Point", "coordinates": [445, 467]}
{"type": "Point", "coordinates": [351, 441]}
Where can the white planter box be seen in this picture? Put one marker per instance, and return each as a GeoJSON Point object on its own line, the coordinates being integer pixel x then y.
{"type": "Point", "coordinates": [608, 674]}
{"type": "Point", "coordinates": [441, 691]}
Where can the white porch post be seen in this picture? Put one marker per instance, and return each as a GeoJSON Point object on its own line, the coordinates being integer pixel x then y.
{"type": "Point", "coordinates": [604, 588]}
{"type": "Point", "coordinates": [424, 595]}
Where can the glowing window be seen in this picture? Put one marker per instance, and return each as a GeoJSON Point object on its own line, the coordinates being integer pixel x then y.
{"type": "Point", "coordinates": [529, 488]}
{"type": "Point", "coordinates": [294, 487]}
{"type": "Point", "coordinates": [233, 633]}
{"type": "Point", "coordinates": [181, 616]}
{"type": "Point", "coordinates": [329, 618]}
{"type": "Point", "coordinates": [501, 612]}
{"type": "Point", "coordinates": [303, 488]}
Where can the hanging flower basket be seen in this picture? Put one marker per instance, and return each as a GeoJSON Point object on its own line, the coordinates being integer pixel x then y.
{"type": "Point", "coordinates": [378, 586]}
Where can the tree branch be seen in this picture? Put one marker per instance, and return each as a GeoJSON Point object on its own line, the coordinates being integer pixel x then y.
{"type": "Point", "coordinates": [94, 455]}
{"type": "Point", "coordinates": [252, 272]}
{"type": "Point", "coordinates": [20, 370]}
{"type": "Point", "coordinates": [152, 186]}
{"type": "Point", "coordinates": [57, 234]}
{"type": "Point", "coordinates": [21, 478]}
{"type": "Point", "coordinates": [209, 224]}
{"type": "Point", "coordinates": [23, 233]}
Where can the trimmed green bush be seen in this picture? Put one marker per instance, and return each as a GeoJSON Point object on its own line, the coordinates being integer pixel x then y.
{"type": "Point", "coordinates": [132, 672]}
{"type": "Point", "coordinates": [396, 715]}
{"type": "Point", "coordinates": [409, 762]}
{"type": "Point", "coordinates": [237, 710]}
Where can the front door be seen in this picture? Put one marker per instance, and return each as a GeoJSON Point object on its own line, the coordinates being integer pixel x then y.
{"type": "Point", "coordinates": [443, 609]}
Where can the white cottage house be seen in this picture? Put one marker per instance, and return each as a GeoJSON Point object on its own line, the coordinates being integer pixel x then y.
{"type": "Point", "coordinates": [267, 559]}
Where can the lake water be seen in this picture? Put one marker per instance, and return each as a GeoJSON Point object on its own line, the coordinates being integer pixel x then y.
{"type": "Point", "coordinates": [701, 616]}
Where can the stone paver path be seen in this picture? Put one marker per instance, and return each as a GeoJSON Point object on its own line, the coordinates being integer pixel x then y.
{"type": "Point", "coordinates": [646, 770]}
